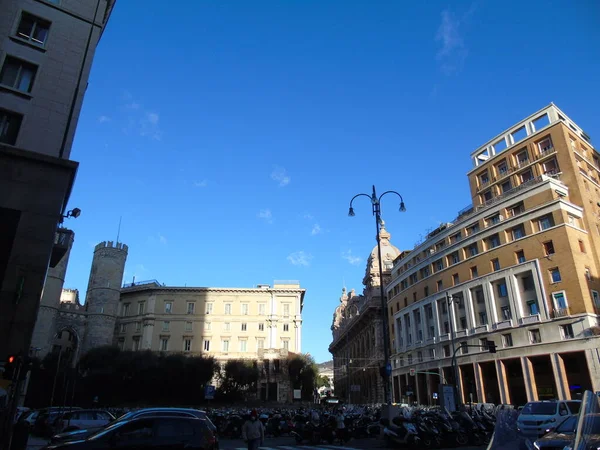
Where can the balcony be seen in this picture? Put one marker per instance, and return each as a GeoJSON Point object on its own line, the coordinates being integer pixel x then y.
{"type": "Point", "coordinates": [480, 329]}
{"type": "Point", "coordinates": [444, 337]}
{"type": "Point", "coordinates": [462, 333]}
{"type": "Point", "coordinates": [63, 239]}
{"type": "Point", "coordinates": [534, 318]}
{"type": "Point", "coordinates": [560, 312]}
{"type": "Point", "coordinates": [503, 324]}
{"type": "Point", "coordinates": [545, 153]}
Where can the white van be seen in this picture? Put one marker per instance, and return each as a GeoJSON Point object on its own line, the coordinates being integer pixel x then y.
{"type": "Point", "coordinates": [538, 418]}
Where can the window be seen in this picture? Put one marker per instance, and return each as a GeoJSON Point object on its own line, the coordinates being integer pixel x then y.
{"type": "Point", "coordinates": [522, 158]}
{"type": "Point", "coordinates": [534, 336]}
{"type": "Point", "coordinates": [484, 178]}
{"type": "Point", "coordinates": [566, 331]}
{"type": "Point", "coordinates": [191, 307]}
{"type": "Point", "coordinates": [166, 325]}
{"type": "Point", "coordinates": [550, 167]}
{"type": "Point", "coordinates": [227, 308]}
{"type": "Point", "coordinates": [502, 168]}
{"type": "Point", "coordinates": [136, 343]}
{"type": "Point", "coordinates": [453, 258]}
{"type": "Point", "coordinates": [227, 326]}
{"type": "Point", "coordinates": [484, 343]}
{"type": "Point", "coordinates": [187, 345]}
{"type": "Point", "coordinates": [463, 323]}
{"type": "Point", "coordinates": [260, 343]}
{"type": "Point", "coordinates": [520, 255]}
{"type": "Point", "coordinates": [432, 353]}
{"type": "Point", "coordinates": [464, 348]}
{"type": "Point", "coordinates": [548, 248]}
{"type": "Point", "coordinates": [507, 340]}
{"type": "Point", "coordinates": [209, 308]}
{"type": "Point", "coordinates": [285, 344]}
{"type": "Point", "coordinates": [168, 307]}
{"type": "Point", "coordinates": [506, 186]}
{"type": "Point", "coordinates": [410, 359]}
{"type": "Point", "coordinates": [225, 345]}
{"type": "Point", "coordinates": [447, 351]}
{"type": "Point", "coordinates": [208, 326]}
{"type": "Point", "coordinates": [455, 279]}
{"type": "Point", "coordinates": [286, 327]}
{"type": "Point", "coordinates": [506, 314]}
{"type": "Point", "coordinates": [188, 326]}
{"type": "Point", "coordinates": [473, 229]}
{"type": "Point", "coordinates": [474, 273]}
{"type": "Point", "coordinates": [261, 327]}
{"type": "Point", "coordinates": [526, 176]}
{"type": "Point", "coordinates": [261, 309]}
{"type": "Point", "coordinates": [138, 326]}
{"type": "Point", "coordinates": [123, 329]}
{"type": "Point", "coordinates": [440, 285]}
{"type": "Point", "coordinates": [515, 210]}
{"type": "Point", "coordinates": [517, 232]}
{"type": "Point", "coordinates": [164, 344]}
{"type": "Point", "coordinates": [492, 220]}
{"type": "Point", "coordinates": [243, 345]}
{"type": "Point", "coordinates": [286, 310]}
{"type": "Point", "coordinates": [555, 275]}
{"type": "Point", "coordinates": [483, 319]}
{"type": "Point", "coordinates": [532, 307]}
{"type": "Point", "coordinates": [545, 222]}
{"type": "Point", "coordinates": [502, 290]}
{"type": "Point", "coordinates": [528, 284]}
{"type": "Point", "coordinates": [446, 327]}
{"type": "Point", "coordinates": [545, 145]}
{"type": "Point", "coordinates": [455, 238]}
{"type": "Point", "coordinates": [560, 301]}
{"type": "Point", "coordinates": [472, 249]}
{"type": "Point", "coordinates": [493, 241]}
{"type": "Point", "coordinates": [596, 299]}
{"type": "Point", "coordinates": [17, 74]}
{"type": "Point", "coordinates": [439, 265]}
{"type": "Point", "coordinates": [141, 306]}
{"type": "Point", "coordinates": [125, 309]}
{"type": "Point", "coordinates": [244, 327]}
{"type": "Point", "coordinates": [206, 345]}
{"type": "Point", "coordinates": [121, 344]}
{"type": "Point", "coordinates": [244, 309]}
{"type": "Point", "coordinates": [581, 247]}
{"type": "Point", "coordinates": [33, 29]}
{"type": "Point", "coordinates": [495, 264]}
{"type": "Point", "coordinates": [420, 356]}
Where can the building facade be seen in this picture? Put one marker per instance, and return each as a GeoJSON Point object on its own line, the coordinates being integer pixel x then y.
{"type": "Point", "coordinates": [357, 329]}
{"type": "Point", "coordinates": [46, 53]}
{"type": "Point", "coordinates": [519, 267]}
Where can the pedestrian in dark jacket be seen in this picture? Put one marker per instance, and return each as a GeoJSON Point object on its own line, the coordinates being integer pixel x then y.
{"type": "Point", "coordinates": [253, 432]}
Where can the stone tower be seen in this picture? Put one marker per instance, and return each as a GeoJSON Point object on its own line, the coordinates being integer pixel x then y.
{"type": "Point", "coordinates": [45, 324]}
{"type": "Point", "coordinates": [103, 292]}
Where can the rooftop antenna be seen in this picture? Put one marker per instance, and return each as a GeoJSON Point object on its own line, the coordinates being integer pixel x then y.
{"type": "Point", "coordinates": [119, 229]}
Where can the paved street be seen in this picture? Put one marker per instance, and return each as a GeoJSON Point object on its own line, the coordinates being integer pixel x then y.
{"type": "Point", "coordinates": [281, 443]}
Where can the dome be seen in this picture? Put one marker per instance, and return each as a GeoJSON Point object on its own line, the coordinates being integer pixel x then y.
{"type": "Point", "coordinates": [389, 253]}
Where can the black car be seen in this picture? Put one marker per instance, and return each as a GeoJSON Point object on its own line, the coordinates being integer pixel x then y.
{"type": "Point", "coordinates": [146, 412]}
{"type": "Point", "coordinates": [156, 432]}
{"type": "Point", "coordinates": [560, 438]}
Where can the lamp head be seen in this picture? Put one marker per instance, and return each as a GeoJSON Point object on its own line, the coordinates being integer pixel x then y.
{"type": "Point", "coordinates": [402, 207]}
{"type": "Point", "coordinates": [351, 212]}
{"type": "Point", "coordinates": [75, 213]}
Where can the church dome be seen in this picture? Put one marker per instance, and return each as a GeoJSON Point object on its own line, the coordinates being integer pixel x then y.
{"type": "Point", "coordinates": [389, 253]}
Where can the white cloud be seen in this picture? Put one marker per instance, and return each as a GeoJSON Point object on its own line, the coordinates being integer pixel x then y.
{"type": "Point", "coordinates": [280, 175]}
{"type": "Point", "coordinates": [103, 119]}
{"type": "Point", "coordinates": [140, 120]}
{"type": "Point", "coordinates": [300, 258]}
{"type": "Point", "coordinates": [316, 229]}
{"type": "Point", "coordinates": [266, 215]}
{"type": "Point", "coordinates": [201, 184]}
{"type": "Point", "coordinates": [354, 260]}
{"type": "Point", "coordinates": [453, 51]}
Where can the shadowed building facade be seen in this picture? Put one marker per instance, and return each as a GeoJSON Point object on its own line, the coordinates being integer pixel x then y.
{"type": "Point", "coordinates": [521, 267]}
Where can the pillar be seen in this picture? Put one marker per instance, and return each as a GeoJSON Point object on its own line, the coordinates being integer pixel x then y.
{"type": "Point", "coordinates": [417, 388]}
{"type": "Point", "coordinates": [560, 376]}
{"type": "Point", "coordinates": [529, 377]}
{"type": "Point", "coordinates": [461, 390]}
{"type": "Point", "coordinates": [592, 357]}
{"type": "Point", "coordinates": [479, 383]}
{"type": "Point", "coordinates": [502, 386]}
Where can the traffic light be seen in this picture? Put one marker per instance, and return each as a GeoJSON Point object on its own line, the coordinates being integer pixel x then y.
{"type": "Point", "coordinates": [492, 347]}
{"type": "Point", "coordinates": [10, 367]}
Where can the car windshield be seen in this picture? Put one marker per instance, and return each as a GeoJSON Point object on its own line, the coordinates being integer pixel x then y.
{"type": "Point", "coordinates": [105, 430]}
{"type": "Point", "coordinates": [542, 409]}
{"type": "Point", "coordinates": [568, 426]}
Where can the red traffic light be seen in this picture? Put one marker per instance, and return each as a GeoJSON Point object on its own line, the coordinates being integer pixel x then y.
{"type": "Point", "coordinates": [11, 359]}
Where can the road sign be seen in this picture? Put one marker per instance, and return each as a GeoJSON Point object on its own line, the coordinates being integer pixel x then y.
{"type": "Point", "coordinates": [209, 392]}
{"type": "Point", "coordinates": [412, 372]}
{"type": "Point", "coordinates": [388, 369]}
{"type": "Point", "coordinates": [435, 395]}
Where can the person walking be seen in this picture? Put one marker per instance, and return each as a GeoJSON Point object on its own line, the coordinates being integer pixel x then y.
{"type": "Point", "coordinates": [253, 432]}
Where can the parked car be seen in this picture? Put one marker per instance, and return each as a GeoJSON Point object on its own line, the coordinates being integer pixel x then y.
{"type": "Point", "coordinates": [148, 432]}
{"type": "Point", "coordinates": [89, 419]}
{"type": "Point", "coordinates": [536, 418]}
{"type": "Point", "coordinates": [140, 413]}
{"type": "Point", "coordinates": [560, 438]}
{"type": "Point", "coordinates": [43, 424]}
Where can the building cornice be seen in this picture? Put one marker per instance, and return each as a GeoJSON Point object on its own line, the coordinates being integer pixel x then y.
{"type": "Point", "coordinates": [146, 288]}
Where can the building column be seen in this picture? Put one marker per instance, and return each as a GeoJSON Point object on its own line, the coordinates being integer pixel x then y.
{"type": "Point", "coordinates": [592, 357]}
{"type": "Point", "coordinates": [490, 302]}
{"type": "Point", "coordinates": [461, 389]}
{"type": "Point", "coordinates": [436, 318]}
{"type": "Point", "coordinates": [479, 383]}
{"type": "Point", "coordinates": [560, 376]}
{"type": "Point", "coordinates": [147, 333]}
{"type": "Point", "coordinates": [502, 380]}
{"type": "Point", "coordinates": [529, 378]}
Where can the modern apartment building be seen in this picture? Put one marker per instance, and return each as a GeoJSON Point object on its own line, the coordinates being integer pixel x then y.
{"type": "Point", "coordinates": [46, 53]}
{"type": "Point", "coordinates": [519, 267]}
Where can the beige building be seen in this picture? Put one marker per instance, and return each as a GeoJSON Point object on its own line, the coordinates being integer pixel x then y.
{"type": "Point", "coordinates": [226, 323]}
{"type": "Point", "coordinates": [46, 53]}
{"type": "Point", "coordinates": [520, 267]}
{"type": "Point", "coordinates": [357, 330]}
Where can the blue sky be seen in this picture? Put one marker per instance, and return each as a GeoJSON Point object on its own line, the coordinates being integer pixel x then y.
{"type": "Point", "coordinates": [231, 136]}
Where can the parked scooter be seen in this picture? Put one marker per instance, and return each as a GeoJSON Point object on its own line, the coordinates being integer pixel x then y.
{"type": "Point", "coordinates": [400, 433]}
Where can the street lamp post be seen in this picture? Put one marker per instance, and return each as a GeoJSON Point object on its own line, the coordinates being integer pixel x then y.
{"type": "Point", "coordinates": [376, 204]}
